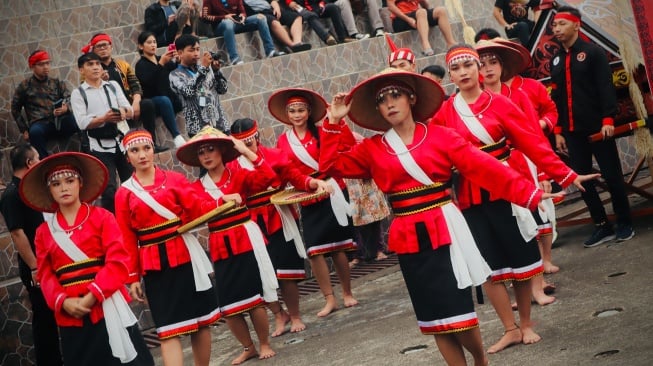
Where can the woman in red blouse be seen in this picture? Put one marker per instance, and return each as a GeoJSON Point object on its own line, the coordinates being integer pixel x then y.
{"type": "Point", "coordinates": [327, 224]}
{"type": "Point", "coordinates": [82, 263]}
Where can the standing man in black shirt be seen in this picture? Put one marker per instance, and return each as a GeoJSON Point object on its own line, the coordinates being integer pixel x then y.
{"type": "Point", "coordinates": [22, 222]}
{"type": "Point", "coordinates": [587, 103]}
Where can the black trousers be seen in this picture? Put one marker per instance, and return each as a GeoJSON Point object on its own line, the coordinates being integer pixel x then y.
{"type": "Point", "coordinates": [44, 330]}
{"type": "Point", "coordinates": [115, 163]}
{"type": "Point", "coordinates": [607, 156]}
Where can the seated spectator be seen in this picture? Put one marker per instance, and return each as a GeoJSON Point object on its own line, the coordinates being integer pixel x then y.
{"type": "Point", "coordinates": [486, 34]}
{"type": "Point", "coordinates": [198, 86]}
{"type": "Point", "coordinates": [121, 72]}
{"type": "Point", "coordinates": [400, 58]}
{"type": "Point", "coordinates": [188, 17]}
{"type": "Point", "coordinates": [160, 19]}
{"type": "Point", "coordinates": [512, 15]}
{"type": "Point", "coordinates": [349, 21]}
{"type": "Point", "coordinates": [312, 10]}
{"type": "Point", "coordinates": [416, 14]}
{"type": "Point", "coordinates": [374, 17]}
{"type": "Point", "coordinates": [152, 72]}
{"type": "Point", "coordinates": [278, 17]}
{"type": "Point", "coordinates": [45, 101]}
{"type": "Point", "coordinates": [229, 18]}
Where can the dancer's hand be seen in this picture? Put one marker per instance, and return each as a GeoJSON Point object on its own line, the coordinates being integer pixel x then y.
{"type": "Point", "coordinates": [73, 306]}
{"type": "Point", "coordinates": [578, 182]}
{"type": "Point", "coordinates": [136, 291]}
{"type": "Point", "coordinates": [234, 197]}
{"type": "Point", "coordinates": [320, 186]}
{"type": "Point", "coordinates": [546, 196]}
{"type": "Point", "coordinates": [338, 109]}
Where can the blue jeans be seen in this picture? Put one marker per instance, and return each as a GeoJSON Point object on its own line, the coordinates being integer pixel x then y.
{"type": "Point", "coordinates": [228, 29]}
{"type": "Point", "coordinates": [163, 107]}
{"type": "Point", "coordinates": [42, 131]}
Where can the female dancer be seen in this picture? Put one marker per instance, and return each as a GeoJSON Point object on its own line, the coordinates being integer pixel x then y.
{"type": "Point", "coordinates": [331, 230]}
{"type": "Point", "coordinates": [82, 263]}
{"type": "Point", "coordinates": [244, 274]}
{"type": "Point", "coordinates": [488, 120]}
{"type": "Point", "coordinates": [499, 63]}
{"type": "Point", "coordinates": [285, 244]}
{"type": "Point", "coordinates": [412, 163]}
{"type": "Point", "coordinates": [150, 206]}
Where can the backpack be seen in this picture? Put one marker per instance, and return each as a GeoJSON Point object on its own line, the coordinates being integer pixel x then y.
{"type": "Point", "coordinates": [109, 130]}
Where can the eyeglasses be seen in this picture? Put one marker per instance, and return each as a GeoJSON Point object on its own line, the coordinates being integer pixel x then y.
{"type": "Point", "coordinates": [101, 46]}
{"type": "Point", "coordinates": [205, 149]}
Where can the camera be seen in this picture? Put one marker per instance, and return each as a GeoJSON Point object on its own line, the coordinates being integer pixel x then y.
{"type": "Point", "coordinates": [219, 56]}
{"type": "Point", "coordinates": [238, 18]}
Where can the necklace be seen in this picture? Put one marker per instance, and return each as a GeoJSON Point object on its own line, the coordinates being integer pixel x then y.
{"type": "Point", "coordinates": [154, 189]}
{"type": "Point", "coordinates": [479, 115]}
{"type": "Point", "coordinates": [69, 231]}
{"type": "Point", "coordinates": [391, 152]}
{"type": "Point", "coordinates": [226, 183]}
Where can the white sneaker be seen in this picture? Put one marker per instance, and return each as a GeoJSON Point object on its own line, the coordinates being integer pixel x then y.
{"type": "Point", "coordinates": [179, 140]}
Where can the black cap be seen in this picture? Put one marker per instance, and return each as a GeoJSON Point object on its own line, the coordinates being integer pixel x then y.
{"type": "Point", "coordinates": [86, 58]}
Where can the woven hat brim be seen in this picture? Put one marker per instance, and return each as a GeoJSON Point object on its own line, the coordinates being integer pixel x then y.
{"type": "Point", "coordinates": [277, 104]}
{"type": "Point", "coordinates": [364, 113]}
{"type": "Point", "coordinates": [512, 61]}
{"type": "Point", "coordinates": [34, 190]}
{"type": "Point", "coordinates": [187, 153]}
{"type": "Point", "coordinates": [525, 53]}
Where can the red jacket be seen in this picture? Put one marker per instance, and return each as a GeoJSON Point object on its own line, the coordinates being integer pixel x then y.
{"type": "Point", "coordinates": [103, 274]}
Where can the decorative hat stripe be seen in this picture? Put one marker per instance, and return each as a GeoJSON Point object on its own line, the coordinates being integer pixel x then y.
{"type": "Point", "coordinates": [62, 171]}
{"type": "Point", "coordinates": [137, 137]}
{"type": "Point", "coordinates": [247, 134]}
{"type": "Point", "coordinates": [297, 99]}
{"type": "Point", "coordinates": [460, 54]}
{"type": "Point", "coordinates": [38, 56]}
{"type": "Point", "coordinates": [392, 89]}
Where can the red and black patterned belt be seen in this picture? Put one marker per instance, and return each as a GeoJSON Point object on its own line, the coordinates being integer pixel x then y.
{"type": "Point", "coordinates": [79, 272]}
{"type": "Point", "coordinates": [235, 217]}
{"type": "Point", "coordinates": [500, 150]}
{"type": "Point", "coordinates": [260, 199]}
{"type": "Point", "coordinates": [159, 233]}
{"type": "Point", "coordinates": [419, 199]}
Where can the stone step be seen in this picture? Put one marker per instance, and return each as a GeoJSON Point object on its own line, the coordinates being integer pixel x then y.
{"type": "Point", "coordinates": [12, 9]}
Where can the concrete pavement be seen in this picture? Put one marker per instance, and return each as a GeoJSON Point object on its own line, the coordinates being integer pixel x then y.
{"type": "Point", "coordinates": [382, 330]}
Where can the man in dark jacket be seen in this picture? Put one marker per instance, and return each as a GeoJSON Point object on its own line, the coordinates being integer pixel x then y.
{"type": "Point", "coordinates": [160, 19]}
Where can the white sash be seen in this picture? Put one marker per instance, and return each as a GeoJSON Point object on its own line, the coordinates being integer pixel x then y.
{"type": "Point", "coordinates": [117, 313]}
{"type": "Point", "coordinates": [199, 261]}
{"type": "Point", "coordinates": [266, 271]}
{"type": "Point", "coordinates": [549, 213]}
{"type": "Point", "coordinates": [339, 205]}
{"type": "Point", "coordinates": [525, 221]}
{"type": "Point", "coordinates": [288, 223]}
{"type": "Point", "coordinates": [469, 267]}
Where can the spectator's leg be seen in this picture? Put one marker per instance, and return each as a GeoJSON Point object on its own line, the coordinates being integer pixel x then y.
{"type": "Point", "coordinates": [607, 156]}
{"type": "Point", "coordinates": [123, 167]}
{"type": "Point", "coordinates": [296, 30]}
{"type": "Point", "coordinates": [264, 32]}
{"type": "Point", "coordinates": [107, 200]}
{"type": "Point", "coordinates": [44, 330]}
{"type": "Point", "coordinates": [421, 17]}
{"type": "Point", "coordinates": [374, 15]}
{"type": "Point", "coordinates": [347, 16]}
{"type": "Point", "coordinates": [225, 29]}
{"type": "Point", "coordinates": [440, 17]}
{"type": "Point", "coordinates": [163, 107]}
{"type": "Point", "coordinates": [148, 117]}
{"type": "Point", "coordinates": [520, 31]}
{"type": "Point", "coordinates": [313, 20]}
{"type": "Point", "coordinates": [280, 32]}
{"type": "Point", "coordinates": [332, 11]}
{"type": "Point", "coordinates": [580, 160]}
{"type": "Point", "coordinates": [68, 127]}
{"type": "Point", "coordinates": [38, 136]}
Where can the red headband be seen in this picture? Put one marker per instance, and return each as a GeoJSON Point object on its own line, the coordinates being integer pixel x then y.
{"type": "Point", "coordinates": [247, 134]}
{"type": "Point", "coordinates": [37, 57]}
{"type": "Point", "coordinates": [297, 99]}
{"type": "Point", "coordinates": [567, 16]}
{"type": "Point", "coordinates": [62, 171]}
{"type": "Point", "coordinates": [137, 137]}
{"type": "Point", "coordinates": [95, 40]}
{"type": "Point", "coordinates": [461, 53]}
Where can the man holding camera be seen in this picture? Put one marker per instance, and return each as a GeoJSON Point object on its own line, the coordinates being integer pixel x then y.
{"type": "Point", "coordinates": [99, 107]}
{"type": "Point", "coordinates": [198, 83]}
{"type": "Point", "coordinates": [45, 101]}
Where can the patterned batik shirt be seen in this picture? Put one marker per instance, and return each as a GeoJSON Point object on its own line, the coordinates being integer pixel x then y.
{"type": "Point", "coordinates": [199, 89]}
{"type": "Point", "coordinates": [38, 98]}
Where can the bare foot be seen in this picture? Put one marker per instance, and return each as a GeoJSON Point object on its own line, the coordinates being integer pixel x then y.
{"type": "Point", "coordinates": [381, 256]}
{"type": "Point", "coordinates": [544, 299]}
{"type": "Point", "coordinates": [330, 306]}
{"type": "Point", "coordinates": [248, 352]}
{"type": "Point", "coordinates": [550, 268]}
{"type": "Point", "coordinates": [296, 325]}
{"type": "Point", "coordinates": [510, 337]}
{"type": "Point", "coordinates": [529, 336]}
{"type": "Point", "coordinates": [266, 352]}
{"type": "Point", "coordinates": [349, 301]}
{"type": "Point", "coordinates": [354, 262]}
{"type": "Point", "coordinates": [280, 320]}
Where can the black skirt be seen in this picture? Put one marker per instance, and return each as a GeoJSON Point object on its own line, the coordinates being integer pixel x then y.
{"type": "Point", "coordinates": [239, 285]}
{"type": "Point", "coordinates": [287, 264]}
{"type": "Point", "coordinates": [322, 232]}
